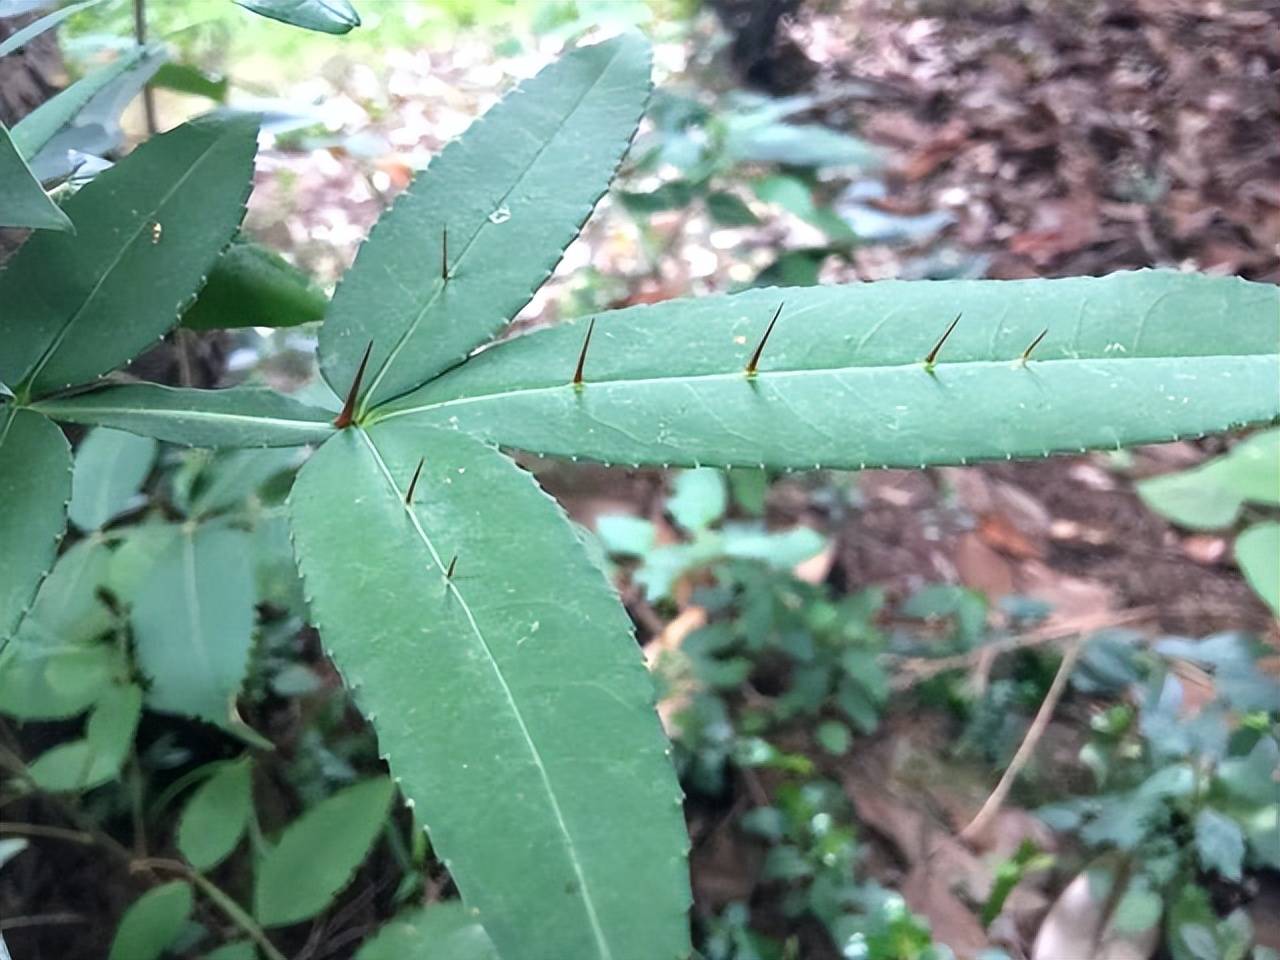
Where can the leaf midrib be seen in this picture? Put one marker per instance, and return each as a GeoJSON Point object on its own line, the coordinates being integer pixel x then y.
{"type": "Point", "coordinates": [571, 848]}
{"type": "Point", "coordinates": [740, 376]}
{"type": "Point", "coordinates": [452, 268]}
{"type": "Point", "coordinates": [34, 374]}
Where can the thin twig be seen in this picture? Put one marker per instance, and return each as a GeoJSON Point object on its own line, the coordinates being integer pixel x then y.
{"type": "Point", "coordinates": [53, 833]}
{"type": "Point", "coordinates": [42, 920]}
{"type": "Point", "coordinates": [910, 671]}
{"type": "Point", "coordinates": [140, 34]}
{"type": "Point", "coordinates": [1028, 746]}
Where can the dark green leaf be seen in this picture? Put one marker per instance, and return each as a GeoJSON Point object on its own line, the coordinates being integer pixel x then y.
{"type": "Point", "coordinates": [325, 16]}
{"type": "Point", "coordinates": [235, 417]}
{"type": "Point", "coordinates": [502, 715]}
{"type": "Point", "coordinates": [215, 817]}
{"type": "Point", "coordinates": [153, 922]}
{"type": "Point", "coordinates": [25, 202]}
{"type": "Point", "coordinates": [185, 78]}
{"type": "Point", "coordinates": [251, 286]}
{"type": "Point", "coordinates": [319, 852]}
{"type": "Point", "coordinates": [729, 210]}
{"type": "Point", "coordinates": [148, 230]}
{"type": "Point", "coordinates": [1130, 358]}
{"type": "Point", "coordinates": [35, 485]}
{"type": "Point", "coordinates": [513, 193]}
{"type": "Point", "coordinates": [110, 467]}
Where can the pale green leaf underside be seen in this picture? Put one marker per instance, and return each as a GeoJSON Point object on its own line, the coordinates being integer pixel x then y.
{"type": "Point", "coordinates": [511, 701]}
{"type": "Point", "coordinates": [37, 128]}
{"type": "Point", "coordinates": [442, 931]}
{"type": "Point", "coordinates": [193, 622]}
{"type": "Point", "coordinates": [513, 192]}
{"type": "Point", "coordinates": [35, 485]}
{"type": "Point", "coordinates": [148, 229]}
{"type": "Point", "coordinates": [1130, 358]}
{"type": "Point", "coordinates": [25, 202]}
{"type": "Point", "coordinates": [318, 853]}
{"type": "Point", "coordinates": [110, 467]}
{"type": "Point", "coordinates": [235, 417]}
{"type": "Point", "coordinates": [32, 30]}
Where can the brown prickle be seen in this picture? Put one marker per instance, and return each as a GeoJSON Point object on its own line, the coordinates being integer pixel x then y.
{"type": "Point", "coordinates": [932, 358]}
{"type": "Point", "coordinates": [413, 484]}
{"type": "Point", "coordinates": [582, 357]}
{"type": "Point", "coordinates": [444, 254]}
{"type": "Point", "coordinates": [452, 563]}
{"type": "Point", "coordinates": [755, 357]}
{"type": "Point", "coordinates": [344, 418]}
{"type": "Point", "coordinates": [1026, 354]}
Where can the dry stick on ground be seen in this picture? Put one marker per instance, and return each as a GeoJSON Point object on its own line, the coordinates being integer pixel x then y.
{"type": "Point", "coordinates": [1028, 746]}
{"type": "Point", "coordinates": [914, 670]}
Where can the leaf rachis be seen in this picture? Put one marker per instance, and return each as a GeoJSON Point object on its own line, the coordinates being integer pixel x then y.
{"type": "Point", "coordinates": [345, 418]}
{"type": "Point", "coordinates": [755, 357]}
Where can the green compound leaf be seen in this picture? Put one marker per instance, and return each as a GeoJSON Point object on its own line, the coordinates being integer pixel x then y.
{"type": "Point", "coordinates": [110, 468]}
{"type": "Point", "coordinates": [35, 485]}
{"type": "Point", "coordinates": [251, 286]}
{"type": "Point", "coordinates": [193, 623]}
{"type": "Point", "coordinates": [319, 852]}
{"type": "Point", "coordinates": [510, 700]}
{"type": "Point", "coordinates": [148, 231]}
{"type": "Point", "coordinates": [77, 765]}
{"type": "Point", "coordinates": [513, 193]}
{"type": "Point", "coordinates": [324, 16]}
{"type": "Point", "coordinates": [1130, 358]}
{"type": "Point", "coordinates": [235, 417]}
{"type": "Point", "coordinates": [442, 931]}
{"type": "Point", "coordinates": [153, 922]}
{"type": "Point", "coordinates": [215, 817]}
{"type": "Point", "coordinates": [25, 202]}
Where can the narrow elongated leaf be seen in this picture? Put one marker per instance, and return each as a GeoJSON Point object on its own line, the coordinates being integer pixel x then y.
{"type": "Point", "coordinates": [235, 417]}
{"type": "Point", "coordinates": [34, 131]}
{"type": "Point", "coordinates": [24, 202]}
{"type": "Point", "coordinates": [153, 922]}
{"type": "Point", "coordinates": [193, 623]}
{"type": "Point", "coordinates": [1130, 358]}
{"type": "Point", "coordinates": [513, 193]}
{"type": "Point", "coordinates": [251, 286]}
{"type": "Point", "coordinates": [110, 467]}
{"type": "Point", "coordinates": [319, 852]}
{"type": "Point", "coordinates": [35, 485]}
{"type": "Point", "coordinates": [510, 699]}
{"type": "Point", "coordinates": [148, 230]}
{"type": "Point", "coordinates": [326, 16]}
{"type": "Point", "coordinates": [442, 931]}
{"type": "Point", "coordinates": [215, 817]}
{"type": "Point", "coordinates": [32, 30]}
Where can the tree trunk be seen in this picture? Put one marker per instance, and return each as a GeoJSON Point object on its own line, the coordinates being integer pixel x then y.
{"type": "Point", "coordinates": [30, 75]}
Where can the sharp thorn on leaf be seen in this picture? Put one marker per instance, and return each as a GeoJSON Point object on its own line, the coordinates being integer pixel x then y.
{"type": "Point", "coordinates": [582, 357]}
{"type": "Point", "coordinates": [932, 358]}
{"type": "Point", "coordinates": [413, 484]}
{"type": "Point", "coordinates": [349, 405]}
{"type": "Point", "coordinates": [452, 563]}
{"type": "Point", "coordinates": [1026, 354]}
{"type": "Point", "coordinates": [444, 254]}
{"type": "Point", "coordinates": [755, 357]}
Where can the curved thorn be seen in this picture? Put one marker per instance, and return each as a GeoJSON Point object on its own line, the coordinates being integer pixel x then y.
{"type": "Point", "coordinates": [349, 405]}
{"type": "Point", "coordinates": [1026, 354]}
{"type": "Point", "coordinates": [444, 255]}
{"type": "Point", "coordinates": [755, 357]}
{"type": "Point", "coordinates": [413, 484]}
{"type": "Point", "coordinates": [582, 357]}
{"type": "Point", "coordinates": [452, 563]}
{"type": "Point", "coordinates": [933, 354]}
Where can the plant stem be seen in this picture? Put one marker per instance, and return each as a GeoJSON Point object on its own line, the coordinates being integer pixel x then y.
{"type": "Point", "coordinates": [140, 34]}
{"type": "Point", "coordinates": [1028, 746]}
{"type": "Point", "coordinates": [234, 912]}
{"type": "Point", "coordinates": [53, 833]}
